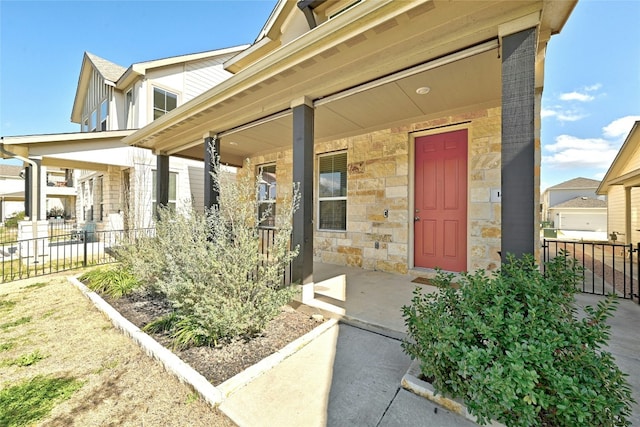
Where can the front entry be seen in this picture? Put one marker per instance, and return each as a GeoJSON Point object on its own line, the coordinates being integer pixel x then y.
{"type": "Point", "coordinates": [440, 218]}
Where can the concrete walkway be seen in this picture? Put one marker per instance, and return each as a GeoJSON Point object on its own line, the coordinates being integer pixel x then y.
{"type": "Point", "coordinates": [350, 375]}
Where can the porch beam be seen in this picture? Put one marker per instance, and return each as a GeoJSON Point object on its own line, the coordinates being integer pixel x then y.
{"type": "Point", "coordinates": [518, 144]}
{"type": "Point", "coordinates": [211, 164]}
{"type": "Point", "coordinates": [303, 122]}
{"type": "Point", "coordinates": [162, 181]}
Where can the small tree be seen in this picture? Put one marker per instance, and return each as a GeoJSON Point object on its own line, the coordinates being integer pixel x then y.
{"type": "Point", "coordinates": [511, 347]}
{"type": "Point", "coordinates": [211, 269]}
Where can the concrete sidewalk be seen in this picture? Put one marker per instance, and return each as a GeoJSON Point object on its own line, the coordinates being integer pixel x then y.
{"type": "Point", "coordinates": [345, 377]}
{"type": "Point", "coordinates": [350, 376]}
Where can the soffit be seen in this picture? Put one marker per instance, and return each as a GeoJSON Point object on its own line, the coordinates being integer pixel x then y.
{"type": "Point", "coordinates": [342, 60]}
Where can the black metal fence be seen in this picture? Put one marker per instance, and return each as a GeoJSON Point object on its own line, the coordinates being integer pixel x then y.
{"type": "Point", "coordinates": [267, 238]}
{"type": "Point", "coordinates": [67, 248]}
{"type": "Point", "coordinates": [608, 267]}
{"type": "Point", "coordinates": [23, 258]}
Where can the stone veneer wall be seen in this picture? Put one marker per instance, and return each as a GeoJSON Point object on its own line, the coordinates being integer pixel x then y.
{"type": "Point", "coordinates": [378, 179]}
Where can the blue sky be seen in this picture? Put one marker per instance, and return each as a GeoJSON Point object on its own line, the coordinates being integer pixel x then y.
{"type": "Point", "coordinates": [590, 100]}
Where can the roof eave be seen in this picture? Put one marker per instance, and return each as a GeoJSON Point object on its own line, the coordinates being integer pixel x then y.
{"type": "Point", "coordinates": [282, 58]}
{"type": "Point", "coordinates": [613, 170]}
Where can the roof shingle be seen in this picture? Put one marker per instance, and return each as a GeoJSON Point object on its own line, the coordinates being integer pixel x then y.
{"type": "Point", "coordinates": [108, 69]}
{"type": "Point", "coordinates": [582, 202]}
{"type": "Point", "coordinates": [576, 183]}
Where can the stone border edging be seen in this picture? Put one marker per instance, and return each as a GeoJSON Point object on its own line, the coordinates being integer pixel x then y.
{"type": "Point", "coordinates": [185, 373]}
{"type": "Point", "coordinates": [411, 382]}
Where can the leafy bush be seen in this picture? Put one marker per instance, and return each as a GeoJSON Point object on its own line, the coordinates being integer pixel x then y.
{"type": "Point", "coordinates": [511, 347]}
{"type": "Point", "coordinates": [114, 281]}
{"type": "Point", "coordinates": [210, 266]}
{"type": "Point", "coordinates": [12, 221]}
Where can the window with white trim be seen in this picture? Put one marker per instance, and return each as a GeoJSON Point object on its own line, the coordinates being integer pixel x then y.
{"type": "Point", "coordinates": [94, 121]}
{"type": "Point", "coordinates": [332, 192]}
{"type": "Point", "coordinates": [128, 109]}
{"type": "Point", "coordinates": [104, 109]}
{"type": "Point", "coordinates": [173, 190]}
{"type": "Point", "coordinates": [163, 102]}
{"type": "Point", "coordinates": [267, 195]}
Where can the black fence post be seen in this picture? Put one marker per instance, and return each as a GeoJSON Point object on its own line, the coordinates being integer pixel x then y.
{"type": "Point", "coordinates": [84, 245]}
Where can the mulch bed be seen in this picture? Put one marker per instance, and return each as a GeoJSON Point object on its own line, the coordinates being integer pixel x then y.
{"type": "Point", "coordinates": [217, 364]}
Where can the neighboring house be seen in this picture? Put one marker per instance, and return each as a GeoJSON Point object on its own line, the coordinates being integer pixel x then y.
{"type": "Point", "coordinates": [114, 181]}
{"type": "Point", "coordinates": [59, 192]}
{"type": "Point", "coordinates": [574, 205]}
{"type": "Point", "coordinates": [411, 126]}
{"type": "Point", "coordinates": [11, 191]}
{"type": "Point", "coordinates": [621, 186]}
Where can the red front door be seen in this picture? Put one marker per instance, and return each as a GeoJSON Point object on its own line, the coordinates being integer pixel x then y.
{"type": "Point", "coordinates": [440, 217]}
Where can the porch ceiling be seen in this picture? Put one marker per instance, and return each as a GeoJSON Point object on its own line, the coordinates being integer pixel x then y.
{"type": "Point", "coordinates": [463, 85]}
{"type": "Point", "coordinates": [366, 43]}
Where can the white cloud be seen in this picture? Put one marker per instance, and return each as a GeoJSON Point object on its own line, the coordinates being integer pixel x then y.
{"type": "Point", "coordinates": [562, 115]}
{"type": "Point", "coordinates": [576, 96]}
{"type": "Point", "coordinates": [593, 87]}
{"type": "Point", "coordinates": [547, 112]}
{"type": "Point", "coordinates": [619, 127]}
{"type": "Point", "coordinates": [570, 152]}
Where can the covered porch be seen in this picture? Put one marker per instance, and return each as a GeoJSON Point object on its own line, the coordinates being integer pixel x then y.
{"type": "Point", "coordinates": [369, 82]}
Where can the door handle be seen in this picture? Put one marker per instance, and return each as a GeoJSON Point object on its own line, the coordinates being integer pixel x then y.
{"type": "Point", "coordinates": [416, 218]}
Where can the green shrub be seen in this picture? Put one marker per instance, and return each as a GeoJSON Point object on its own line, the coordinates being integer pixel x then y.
{"type": "Point", "coordinates": [12, 221]}
{"type": "Point", "coordinates": [114, 281]}
{"type": "Point", "coordinates": [511, 347]}
{"type": "Point", "coordinates": [211, 268]}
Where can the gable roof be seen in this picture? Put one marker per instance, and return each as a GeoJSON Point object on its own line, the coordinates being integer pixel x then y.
{"type": "Point", "coordinates": [576, 183]}
{"type": "Point", "coordinates": [581, 202]}
{"type": "Point", "coordinates": [613, 175]}
{"type": "Point", "coordinates": [107, 69]}
{"type": "Point", "coordinates": [122, 77]}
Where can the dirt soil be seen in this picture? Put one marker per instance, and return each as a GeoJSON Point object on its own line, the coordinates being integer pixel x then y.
{"type": "Point", "coordinates": [122, 386]}
{"type": "Point", "coordinates": [217, 364]}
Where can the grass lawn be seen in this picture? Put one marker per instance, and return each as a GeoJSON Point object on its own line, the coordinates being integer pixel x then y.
{"type": "Point", "coordinates": [62, 363]}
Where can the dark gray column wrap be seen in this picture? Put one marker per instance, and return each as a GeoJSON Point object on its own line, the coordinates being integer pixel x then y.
{"type": "Point", "coordinates": [162, 180]}
{"type": "Point", "coordinates": [211, 161]}
{"type": "Point", "coordinates": [303, 118]}
{"type": "Point", "coordinates": [28, 177]}
{"type": "Point", "coordinates": [518, 144]}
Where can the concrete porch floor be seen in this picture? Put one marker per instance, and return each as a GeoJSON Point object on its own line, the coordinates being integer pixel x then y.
{"type": "Point", "coordinates": [351, 375]}
{"type": "Point", "coordinates": [371, 299]}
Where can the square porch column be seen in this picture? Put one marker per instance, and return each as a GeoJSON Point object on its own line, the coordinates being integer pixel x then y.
{"type": "Point", "coordinates": [211, 162]}
{"type": "Point", "coordinates": [162, 181]}
{"type": "Point", "coordinates": [303, 121]}
{"type": "Point", "coordinates": [518, 144]}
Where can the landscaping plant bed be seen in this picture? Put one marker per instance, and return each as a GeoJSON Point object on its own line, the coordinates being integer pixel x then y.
{"type": "Point", "coordinates": [217, 364]}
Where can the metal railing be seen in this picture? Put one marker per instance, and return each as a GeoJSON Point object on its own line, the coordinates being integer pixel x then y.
{"type": "Point", "coordinates": [83, 247]}
{"type": "Point", "coordinates": [267, 238]}
{"type": "Point", "coordinates": [23, 258]}
{"type": "Point", "coordinates": [608, 267]}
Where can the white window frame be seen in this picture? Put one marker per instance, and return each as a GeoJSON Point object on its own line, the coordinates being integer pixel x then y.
{"type": "Point", "coordinates": [333, 198]}
{"type": "Point", "coordinates": [153, 105]}
{"type": "Point", "coordinates": [104, 114]}
{"type": "Point", "coordinates": [172, 203]}
{"type": "Point", "coordinates": [269, 195]}
{"type": "Point", "coordinates": [128, 109]}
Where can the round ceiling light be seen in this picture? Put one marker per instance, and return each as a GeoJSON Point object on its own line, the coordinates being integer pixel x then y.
{"type": "Point", "coordinates": [423, 90]}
